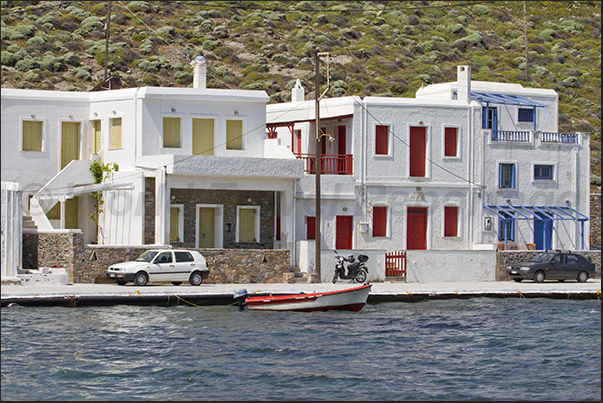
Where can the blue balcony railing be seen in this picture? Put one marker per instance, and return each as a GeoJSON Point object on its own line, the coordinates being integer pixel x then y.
{"type": "Point", "coordinates": [508, 135]}
{"type": "Point", "coordinates": [553, 137]}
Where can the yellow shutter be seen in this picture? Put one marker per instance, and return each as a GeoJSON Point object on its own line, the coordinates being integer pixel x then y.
{"type": "Point", "coordinates": [71, 212]}
{"type": "Point", "coordinates": [97, 136]}
{"type": "Point", "coordinates": [234, 134]}
{"type": "Point", "coordinates": [174, 224]}
{"type": "Point", "coordinates": [247, 225]}
{"type": "Point", "coordinates": [70, 143]}
{"type": "Point", "coordinates": [203, 137]}
{"type": "Point", "coordinates": [116, 133]}
{"type": "Point", "coordinates": [32, 136]}
{"type": "Point", "coordinates": [171, 132]}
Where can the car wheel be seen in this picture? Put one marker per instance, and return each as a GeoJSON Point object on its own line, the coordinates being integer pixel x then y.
{"type": "Point", "coordinates": [518, 280]}
{"type": "Point", "coordinates": [582, 277]}
{"type": "Point", "coordinates": [196, 278]}
{"type": "Point", "coordinates": [539, 277]}
{"type": "Point", "coordinates": [119, 282]}
{"type": "Point", "coordinates": [176, 282]}
{"type": "Point", "coordinates": [141, 279]}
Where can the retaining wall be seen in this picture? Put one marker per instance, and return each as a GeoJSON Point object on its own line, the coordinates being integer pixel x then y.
{"type": "Point", "coordinates": [88, 263]}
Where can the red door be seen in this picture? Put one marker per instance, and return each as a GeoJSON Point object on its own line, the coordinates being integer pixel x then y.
{"type": "Point", "coordinates": [343, 231]}
{"type": "Point", "coordinates": [416, 228]}
{"type": "Point", "coordinates": [417, 151]}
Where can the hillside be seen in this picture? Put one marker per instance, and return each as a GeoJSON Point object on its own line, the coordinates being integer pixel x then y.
{"type": "Point", "coordinates": [386, 48]}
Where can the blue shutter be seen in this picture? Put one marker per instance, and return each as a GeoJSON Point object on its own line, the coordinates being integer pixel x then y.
{"type": "Point", "coordinates": [513, 176]}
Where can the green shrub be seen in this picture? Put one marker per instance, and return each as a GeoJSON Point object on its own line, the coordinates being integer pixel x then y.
{"type": "Point", "coordinates": [221, 32]}
{"type": "Point", "coordinates": [480, 9]}
{"type": "Point", "coordinates": [7, 58]}
{"type": "Point", "coordinates": [32, 76]}
{"type": "Point", "coordinates": [26, 64]}
{"type": "Point", "coordinates": [81, 74]}
{"type": "Point", "coordinates": [92, 24]}
{"type": "Point", "coordinates": [211, 45]}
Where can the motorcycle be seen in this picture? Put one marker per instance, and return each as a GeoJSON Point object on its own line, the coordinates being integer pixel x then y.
{"type": "Point", "coordinates": [356, 271]}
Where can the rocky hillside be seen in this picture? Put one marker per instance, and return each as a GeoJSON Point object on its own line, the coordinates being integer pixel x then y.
{"type": "Point", "coordinates": [387, 48]}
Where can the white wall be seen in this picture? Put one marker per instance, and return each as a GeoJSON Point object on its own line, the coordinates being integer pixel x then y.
{"type": "Point", "coordinates": [454, 266]}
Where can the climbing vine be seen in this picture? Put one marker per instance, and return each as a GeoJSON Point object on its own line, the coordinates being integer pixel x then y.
{"type": "Point", "coordinates": [100, 172]}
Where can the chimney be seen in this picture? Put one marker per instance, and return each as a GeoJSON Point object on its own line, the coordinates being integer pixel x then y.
{"type": "Point", "coordinates": [199, 72]}
{"type": "Point", "coordinates": [297, 93]}
{"type": "Point", "coordinates": [463, 80]}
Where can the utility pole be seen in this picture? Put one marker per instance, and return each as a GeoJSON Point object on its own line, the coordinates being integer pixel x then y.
{"type": "Point", "coordinates": [525, 35]}
{"type": "Point", "coordinates": [317, 164]}
{"type": "Point", "coordinates": [107, 34]}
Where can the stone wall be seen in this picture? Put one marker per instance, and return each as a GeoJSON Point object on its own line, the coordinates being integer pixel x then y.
{"type": "Point", "coordinates": [149, 211]}
{"type": "Point", "coordinates": [504, 258]}
{"type": "Point", "coordinates": [595, 218]}
{"type": "Point", "coordinates": [230, 199]}
{"type": "Point", "coordinates": [88, 263]}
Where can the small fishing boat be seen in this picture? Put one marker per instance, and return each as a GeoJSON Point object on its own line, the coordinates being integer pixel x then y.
{"type": "Point", "coordinates": [349, 299]}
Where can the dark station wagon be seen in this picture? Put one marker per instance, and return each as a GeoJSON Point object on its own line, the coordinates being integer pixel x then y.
{"type": "Point", "coordinates": [553, 265]}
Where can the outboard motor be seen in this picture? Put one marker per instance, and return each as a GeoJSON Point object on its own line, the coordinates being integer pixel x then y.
{"type": "Point", "coordinates": [240, 297]}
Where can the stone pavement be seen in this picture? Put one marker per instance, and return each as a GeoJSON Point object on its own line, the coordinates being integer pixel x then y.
{"type": "Point", "coordinates": [221, 294]}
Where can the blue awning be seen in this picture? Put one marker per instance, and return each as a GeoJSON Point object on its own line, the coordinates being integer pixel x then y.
{"type": "Point", "coordinates": [561, 213]}
{"type": "Point", "coordinates": [506, 100]}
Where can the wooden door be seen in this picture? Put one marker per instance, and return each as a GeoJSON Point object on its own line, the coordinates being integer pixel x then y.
{"type": "Point", "coordinates": [206, 227]}
{"type": "Point", "coordinates": [416, 228]}
{"type": "Point", "coordinates": [70, 142]}
{"type": "Point", "coordinates": [344, 227]}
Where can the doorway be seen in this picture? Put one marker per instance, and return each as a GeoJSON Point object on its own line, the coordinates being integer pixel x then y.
{"type": "Point", "coordinates": [416, 228]}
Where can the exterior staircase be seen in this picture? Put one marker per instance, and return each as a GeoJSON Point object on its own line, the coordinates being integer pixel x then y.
{"type": "Point", "coordinates": [300, 277]}
{"type": "Point", "coordinates": [28, 222]}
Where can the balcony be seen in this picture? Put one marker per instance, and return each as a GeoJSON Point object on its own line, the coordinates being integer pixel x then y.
{"type": "Point", "coordinates": [552, 137]}
{"type": "Point", "coordinates": [336, 164]}
{"type": "Point", "coordinates": [511, 136]}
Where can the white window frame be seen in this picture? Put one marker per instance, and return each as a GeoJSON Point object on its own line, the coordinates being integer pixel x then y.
{"type": "Point", "coordinates": [390, 142]}
{"type": "Point", "coordinates": [36, 119]}
{"type": "Point", "coordinates": [178, 116]}
{"type": "Point", "coordinates": [458, 142]}
{"type": "Point", "coordinates": [257, 222]}
{"type": "Point", "coordinates": [552, 164]}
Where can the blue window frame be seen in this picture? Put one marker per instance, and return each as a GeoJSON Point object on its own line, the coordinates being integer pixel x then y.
{"type": "Point", "coordinates": [543, 172]}
{"type": "Point", "coordinates": [525, 115]}
{"type": "Point", "coordinates": [489, 118]}
{"type": "Point", "coordinates": [506, 176]}
{"type": "Point", "coordinates": [508, 226]}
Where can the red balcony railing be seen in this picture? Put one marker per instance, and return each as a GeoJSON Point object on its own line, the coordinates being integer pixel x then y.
{"type": "Point", "coordinates": [338, 164]}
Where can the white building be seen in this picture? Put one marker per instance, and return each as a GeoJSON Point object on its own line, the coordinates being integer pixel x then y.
{"type": "Point", "coordinates": [447, 170]}
{"type": "Point", "coordinates": [195, 166]}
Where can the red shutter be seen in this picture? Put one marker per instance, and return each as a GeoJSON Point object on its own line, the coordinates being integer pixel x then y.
{"type": "Point", "coordinates": [417, 151]}
{"type": "Point", "coordinates": [450, 142]}
{"type": "Point", "coordinates": [343, 231]}
{"type": "Point", "coordinates": [310, 227]}
{"type": "Point", "coordinates": [450, 221]}
{"type": "Point", "coordinates": [379, 221]}
{"type": "Point", "coordinates": [381, 135]}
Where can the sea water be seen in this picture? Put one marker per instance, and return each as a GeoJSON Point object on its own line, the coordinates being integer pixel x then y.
{"type": "Point", "coordinates": [475, 349]}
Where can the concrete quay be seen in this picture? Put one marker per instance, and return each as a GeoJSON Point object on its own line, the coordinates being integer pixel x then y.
{"type": "Point", "coordinates": [75, 295]}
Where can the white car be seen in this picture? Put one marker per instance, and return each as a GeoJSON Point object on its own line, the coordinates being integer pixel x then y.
{"type": "Point", "coordinates": [165, 265]}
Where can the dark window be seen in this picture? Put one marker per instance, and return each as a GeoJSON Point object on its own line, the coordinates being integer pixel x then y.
{"type": "Point", "coordinates": [571, 259]}
{"type": "Point", "coordinates": [489, 118]}
{"type": "Point", "coordinates": [525, 115]}
{"type": "Point", "coordinates": [184, 257]}
{"type": "Point", "coordinates": [164, 257]}
{"type": "Point", "coordinates": [506, 177]}
{"type": "Point", "coordinates": [543, 172]}
{"type": "Point", "coordinates": [508, 226]}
